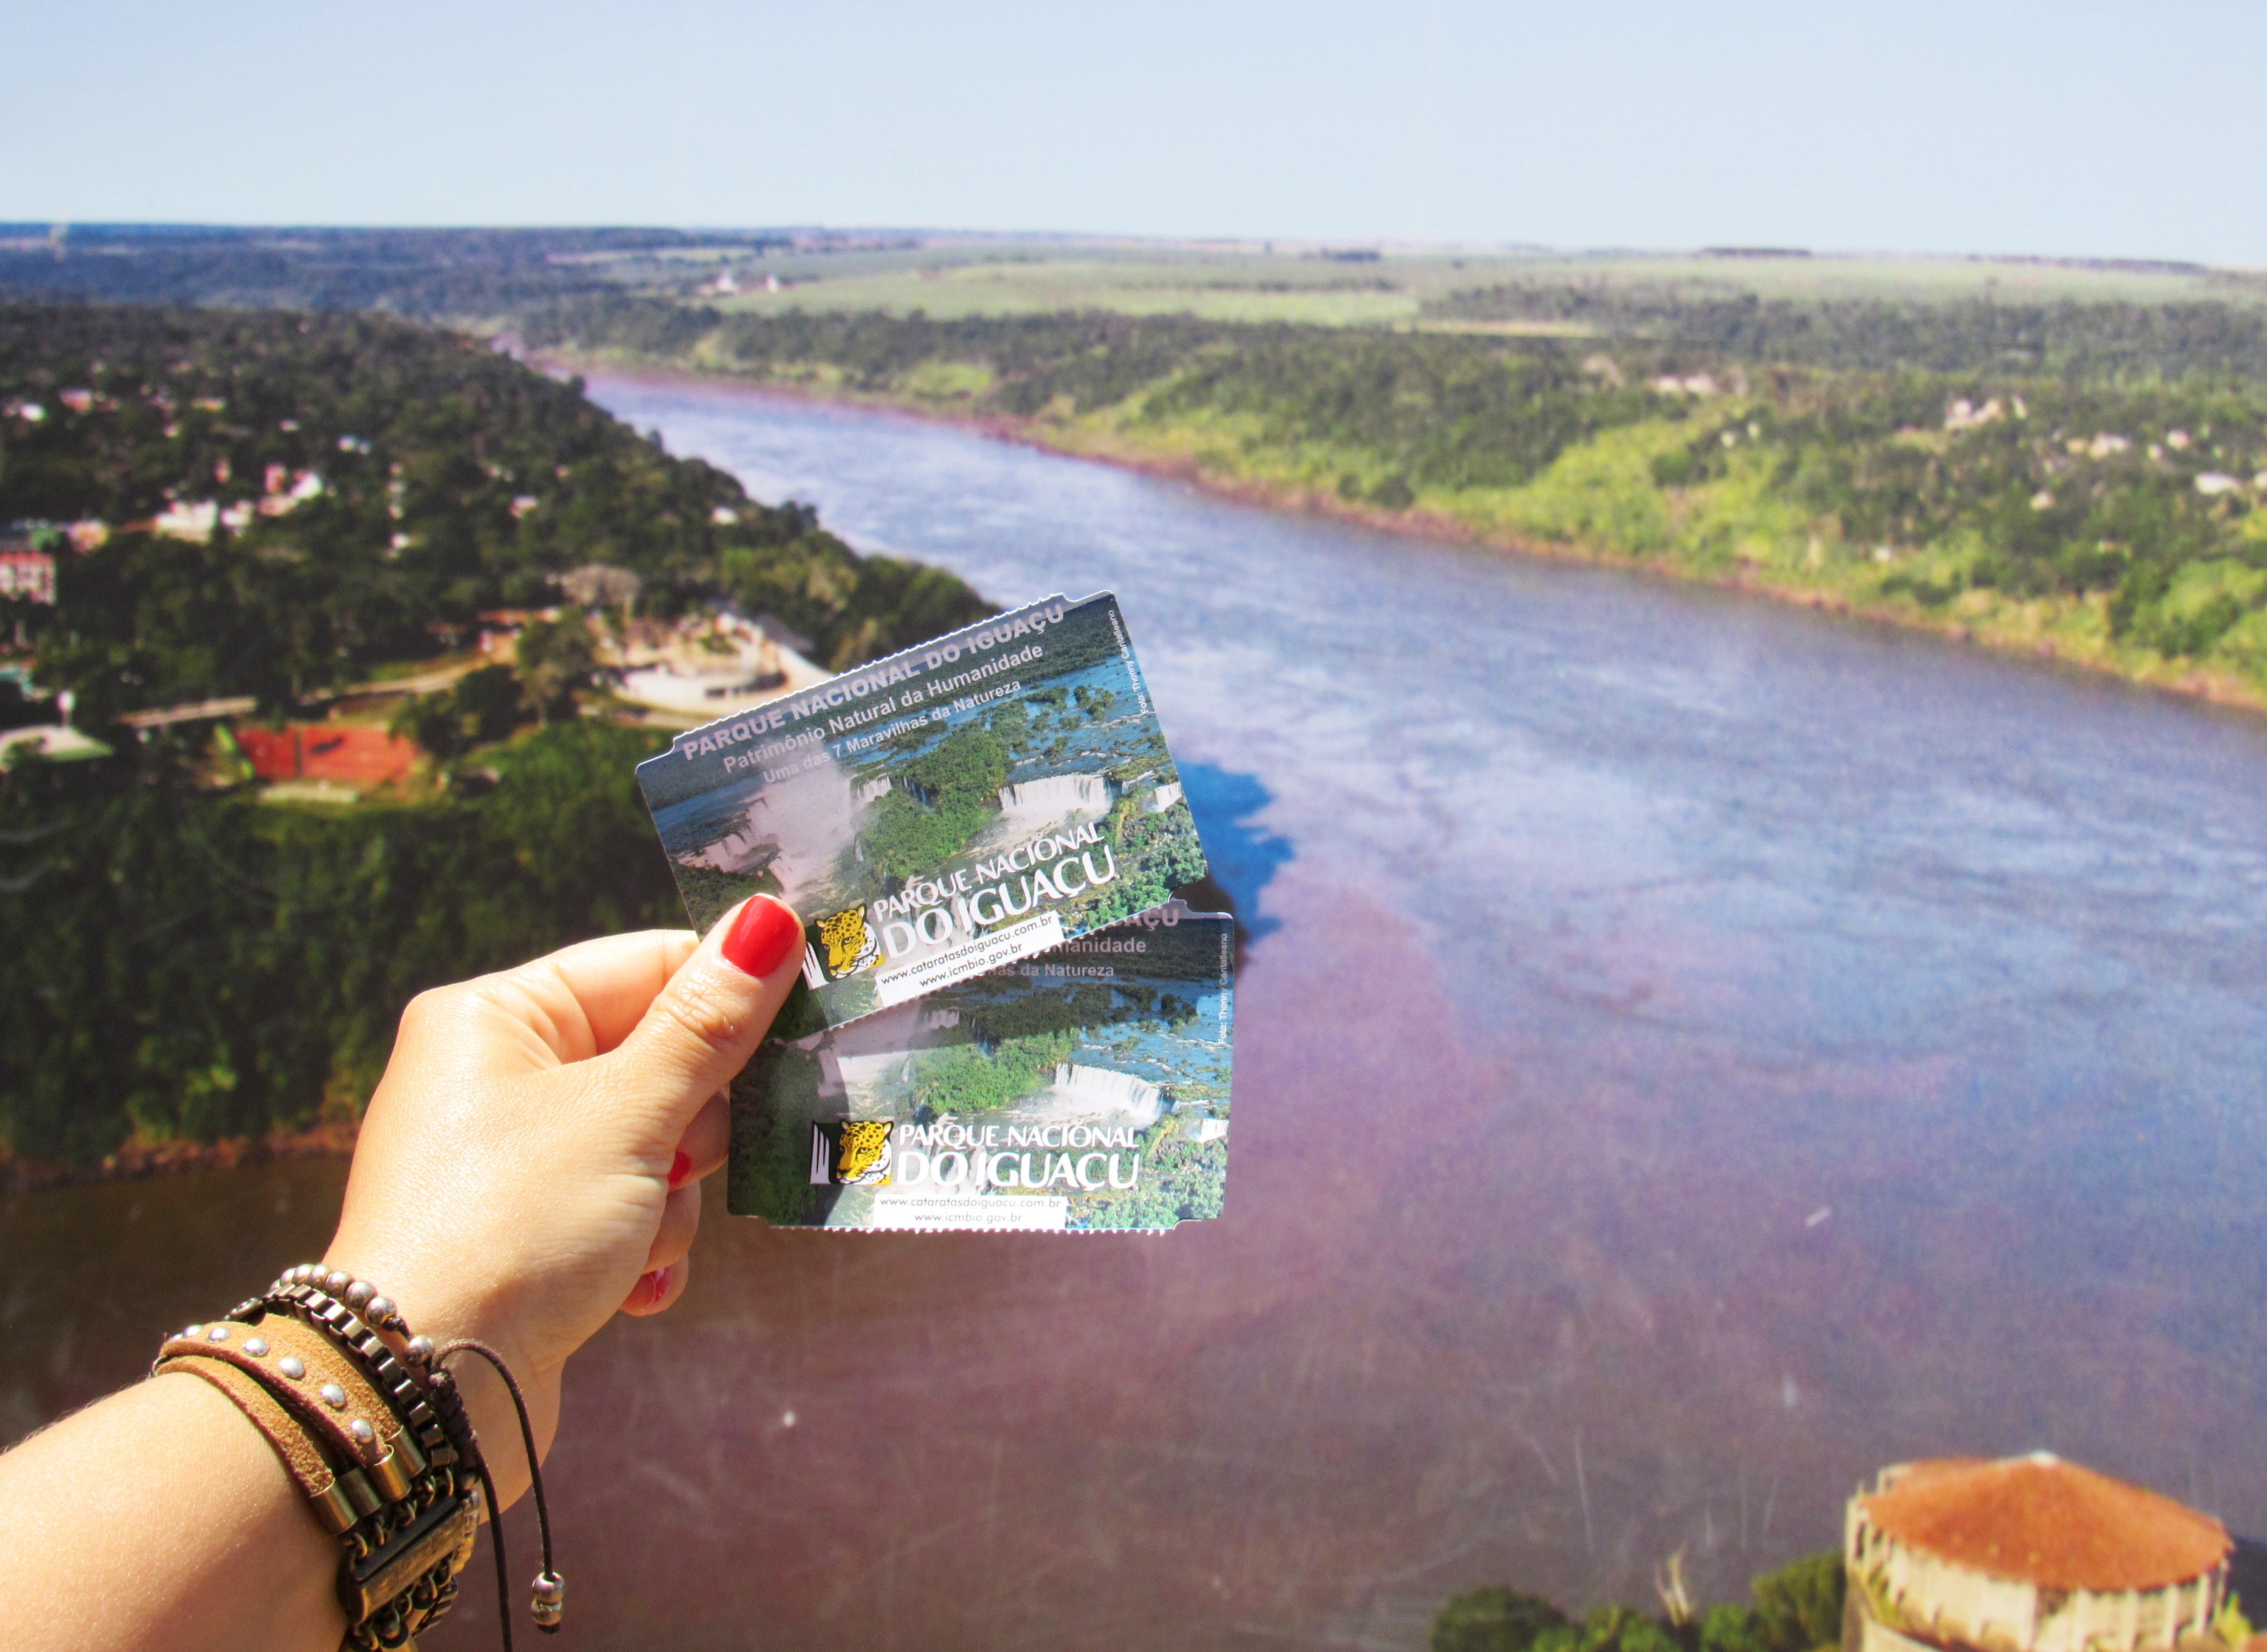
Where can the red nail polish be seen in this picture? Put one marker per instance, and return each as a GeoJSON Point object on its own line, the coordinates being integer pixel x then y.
{"type": "Point", "coordinates": [679, 1168]}
{"type": "Point", "coordinates": [657, 1285]}
{"type": "Point", "coordinates": [762, 936]}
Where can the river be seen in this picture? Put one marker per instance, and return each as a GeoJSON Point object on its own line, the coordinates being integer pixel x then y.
{"type": "Point", "coordinates": [1692, 1052]}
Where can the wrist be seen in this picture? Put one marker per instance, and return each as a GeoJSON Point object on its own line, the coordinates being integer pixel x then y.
{"type": "Point", "coordinates": [438, 1307]}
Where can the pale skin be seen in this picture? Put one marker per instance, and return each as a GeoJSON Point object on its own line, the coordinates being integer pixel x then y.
{"type": "Point", "coordinates": [529, 1166]}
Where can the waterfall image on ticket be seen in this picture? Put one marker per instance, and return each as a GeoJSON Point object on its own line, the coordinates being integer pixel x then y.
{"type": "Point", "coordinates": [1083, 1089]}
{"type": "Point", "coordinates": [936, 814]}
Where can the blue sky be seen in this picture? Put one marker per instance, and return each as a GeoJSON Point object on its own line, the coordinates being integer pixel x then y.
{"type": "Point", "coordinates": [2076, 128]}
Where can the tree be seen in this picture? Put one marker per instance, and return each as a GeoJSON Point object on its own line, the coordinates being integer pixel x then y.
{"type": "Point", "coordinates": [1799, 1607]}
{"type": "Point", "coordinates": [431, 720]}
{"type": "Point", "coordinates": [1494, 1620]}
{"type": "Point", "coordinates": [556, 657]}
{"type": "Point", "coordinates": [482, 707]}
{"type": "Point", "coordinates": [487, 701]}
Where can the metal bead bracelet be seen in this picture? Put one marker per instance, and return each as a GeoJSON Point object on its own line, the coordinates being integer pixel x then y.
{"type": "Point", "coordinates": [337, 1303]}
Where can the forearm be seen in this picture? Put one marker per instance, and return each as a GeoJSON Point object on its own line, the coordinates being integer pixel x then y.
{"type": "Point", "coordinates": [159, 1517]}
{"type": "Point", "coordinates": [529, 1164]}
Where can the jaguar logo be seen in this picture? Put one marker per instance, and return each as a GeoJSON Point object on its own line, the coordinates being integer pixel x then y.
{"type": "Point", "coordinates": [849, 942]}
{"type": "Point", "coordinates": [861, 1153]}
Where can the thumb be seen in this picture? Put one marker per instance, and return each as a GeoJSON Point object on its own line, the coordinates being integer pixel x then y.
{"type": "Point", "coordinates": [698, 1033]}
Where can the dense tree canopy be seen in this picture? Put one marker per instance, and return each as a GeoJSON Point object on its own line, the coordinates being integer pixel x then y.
{"type": "Point", "coordinates": [184, 963]}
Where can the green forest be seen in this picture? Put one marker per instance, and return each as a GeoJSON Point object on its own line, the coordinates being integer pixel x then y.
{"type": "Point", "coordinates": [191, 964]}
{"type": "Point", "coordinates": [2123, 340]}
{"type": "Point", "coordinates": [1796, 1609]}
{"type": "Point", "coordinates": [2082, 480]}
{"type": "Point", "coordinates": [190, 960]}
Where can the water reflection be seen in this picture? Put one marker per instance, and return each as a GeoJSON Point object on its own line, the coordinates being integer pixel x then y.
{"type": "Point", "coordinates": [1243, 856]}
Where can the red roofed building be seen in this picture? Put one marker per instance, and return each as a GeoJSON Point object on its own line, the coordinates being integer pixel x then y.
{"type": "Point", "coordinates": [2027, 1555]}
{"type": "Point", "coordinates": [354, 754]}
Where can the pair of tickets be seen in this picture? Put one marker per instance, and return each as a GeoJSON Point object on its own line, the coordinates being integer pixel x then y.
{"type": "Point", "coordinates": [1006, 1021]}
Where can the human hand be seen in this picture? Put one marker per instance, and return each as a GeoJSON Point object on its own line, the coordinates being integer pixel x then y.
{"type": "Point", "coordinates": [531, 1161]}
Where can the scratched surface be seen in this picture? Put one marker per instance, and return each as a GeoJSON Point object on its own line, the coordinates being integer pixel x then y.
{"type": "Point", "coordinates": [1692, 1053]}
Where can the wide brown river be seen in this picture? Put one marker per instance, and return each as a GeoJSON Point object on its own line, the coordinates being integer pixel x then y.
{"type": "Point", "coordinates": [1692, 1052]}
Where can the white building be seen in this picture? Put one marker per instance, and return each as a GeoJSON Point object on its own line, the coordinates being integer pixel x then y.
{"type": "Point", "coordinates": [2026, 1554]}
{"type": "Point", "coordinates": [27, 575]}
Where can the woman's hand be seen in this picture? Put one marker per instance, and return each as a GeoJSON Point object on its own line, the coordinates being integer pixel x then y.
{"type": "Point", "coordinates": [531, 1161]}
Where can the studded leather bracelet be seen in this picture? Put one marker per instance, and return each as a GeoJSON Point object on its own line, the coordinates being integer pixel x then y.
{"type": "Point", "coordinates": [379, 1441]}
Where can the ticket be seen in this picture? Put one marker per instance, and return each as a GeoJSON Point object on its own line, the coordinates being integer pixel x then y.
{"type": "Point", "coordinates": [1083, 1089]}
{"type": "Point", "coordinates": [976, 800]}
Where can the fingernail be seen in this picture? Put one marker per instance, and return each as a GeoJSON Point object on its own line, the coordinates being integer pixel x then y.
{"type": "Point", "coordinates": [679, 1168]}
{"type": "Point", "coordinates": [656, 1284]}
{"type": "Point", "coordinates": [762, 936]}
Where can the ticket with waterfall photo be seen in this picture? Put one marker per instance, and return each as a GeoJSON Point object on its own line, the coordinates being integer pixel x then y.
{"type": "Point", "coordinates": [972, 802]}
{"type": "Point", "coordinates": [1081, 1090]}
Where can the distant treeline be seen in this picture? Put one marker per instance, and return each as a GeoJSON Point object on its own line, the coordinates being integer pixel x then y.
{"type": "Point", "coordinates": [446, 478]}
{"type": "Point", "coordinates": [1429, 409]}
{"type": "Point", "coordinates": [2112, 342]}
{"type": "Point", "coordinates": [426, 273]}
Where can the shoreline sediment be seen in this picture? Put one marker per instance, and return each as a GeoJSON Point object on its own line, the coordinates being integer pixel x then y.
{"type": "Point", "coordinates": [137, 1161]}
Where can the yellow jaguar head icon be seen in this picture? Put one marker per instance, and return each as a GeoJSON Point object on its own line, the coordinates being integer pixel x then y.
{"type": "Point", "coordinates": [849, 941]}
{"type": "Point", "coordinates": [861, 1153]}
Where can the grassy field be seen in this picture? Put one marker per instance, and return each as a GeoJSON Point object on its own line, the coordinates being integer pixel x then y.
{"type": "Point", "coordinates": [946, 278]}
{"type": "Point", "coordinates": [1332, 297]}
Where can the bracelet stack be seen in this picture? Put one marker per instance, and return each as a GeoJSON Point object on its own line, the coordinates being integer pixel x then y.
{"type": "Point", "coordinates": [376, 1437]}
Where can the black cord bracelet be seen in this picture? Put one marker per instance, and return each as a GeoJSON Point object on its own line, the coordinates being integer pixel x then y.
{"type": "Point", "coordinates": [349, 1313]}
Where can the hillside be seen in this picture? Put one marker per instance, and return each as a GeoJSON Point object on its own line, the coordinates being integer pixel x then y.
{"type": "Point", "coordinates": [267, 504]}
{"type": "Point", "coordinates": [273, 503]}
{"type": "Point", "coordinates": [2089, 489]}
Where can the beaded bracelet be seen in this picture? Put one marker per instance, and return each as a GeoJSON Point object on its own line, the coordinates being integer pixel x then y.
{"type": "Point", "coordinates": [392, 1484]}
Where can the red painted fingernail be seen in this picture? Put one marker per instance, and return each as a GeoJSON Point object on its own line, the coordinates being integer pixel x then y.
{"type": "Point", "coordinates": [762, 936]}
{"type": "Point", "coordinates": [679, 1168]}
{"type": "Point", "coordinates": [657, 1285]}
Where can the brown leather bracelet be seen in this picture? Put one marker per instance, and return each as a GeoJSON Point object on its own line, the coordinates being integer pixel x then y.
{"type": "Point", "coordinates": [318, 1385]}
{"type": "Point", "coordinates": [306, 1463]}
{"type": "Point", "coordinates": [406, 1524]}
{"type": "Point", "coordinates": [376, 1434]}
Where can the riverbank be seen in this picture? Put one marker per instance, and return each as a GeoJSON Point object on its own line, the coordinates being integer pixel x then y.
{"type": "Point", "coordinates": [139, 1159]}
{"type": "Point", "coordinates": [1596, 503]}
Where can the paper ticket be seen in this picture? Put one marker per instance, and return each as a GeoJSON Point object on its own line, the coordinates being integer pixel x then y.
{"type": "Point", "coordinates": [1083, 1089]}
{"type": "Point", "coordinates": [979, 799]}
